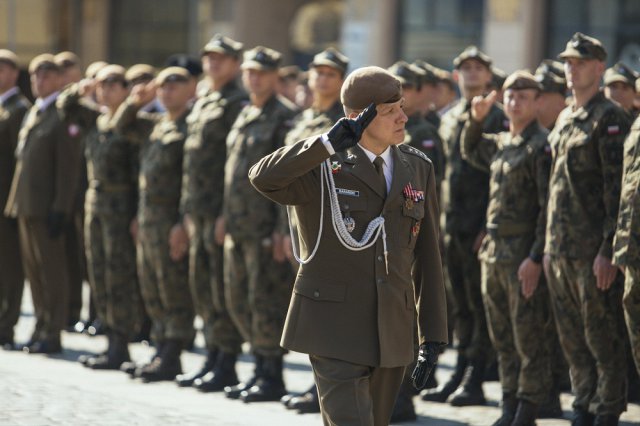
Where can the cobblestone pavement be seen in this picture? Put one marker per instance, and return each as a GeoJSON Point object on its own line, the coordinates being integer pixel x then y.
{"type": "Point", "coordinates": [56, 390]}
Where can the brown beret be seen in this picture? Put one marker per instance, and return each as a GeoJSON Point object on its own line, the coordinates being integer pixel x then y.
{"type": "Point", "coordinates": [45, 61]}
{"type": "Point", "coordinates": [332, 58]}
{"type": "Point", "coordinates": [472, 52]}
{"type": "Point", "coordinates": [93, 69]}
{"type": "Point", "coordinates": [261, 58]}
{"type": "Point", "coordinates": [224, 45]}
{"type": "Point", "coordinates": [111, 73]}
{"type": "Point", "coordinates": [408, 74]}
{"type": "Point", "coordinates": [370, 85]}
{"type": "Point", "coordinates": [620, 73]}
{"type": "Point", "coordinates": [140, 72]}
{"type": "Point", "coordinates": [67, 59]}
{"type": "Point", "coordinates": [521, 80]}
{"type": "Point", "coordinates": [585, 47]}
{"type": "Point", "coordinates": [171, 74]}
{"type": "Point", "coordinates": [8, 57]}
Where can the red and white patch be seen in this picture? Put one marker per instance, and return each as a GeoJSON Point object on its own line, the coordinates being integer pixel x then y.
{"type": "Point", "coordinates": [73, 130]}
{"type": "Point", "coordinates": [613, 130]}
{"type": "Point", "coordinates": [547, 149]}
{"type": "Point", "coordinates": [429, 143]}
{"type": "Point", "coordinates": [505, 123]}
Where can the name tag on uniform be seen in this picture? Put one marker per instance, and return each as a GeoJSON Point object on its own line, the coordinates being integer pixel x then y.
{"type": "Point", "coordinates": [348, 192]}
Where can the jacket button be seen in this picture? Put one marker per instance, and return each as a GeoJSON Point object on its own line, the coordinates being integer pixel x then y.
{"type": "Point", "coordinates": [380, 258]}
{"type": "Point", "coordinates": [316, 294]}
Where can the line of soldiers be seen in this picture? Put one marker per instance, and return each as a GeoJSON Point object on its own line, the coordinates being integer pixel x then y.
{"type": "Point", "coordinates": [168, 207]}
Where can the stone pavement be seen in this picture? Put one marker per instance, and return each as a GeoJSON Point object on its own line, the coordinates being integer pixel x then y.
{"type": "Point", "coordinates": [56, 390]}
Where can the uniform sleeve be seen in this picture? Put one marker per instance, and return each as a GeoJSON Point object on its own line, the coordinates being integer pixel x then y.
{"type": "Point", "coordinates": [73, 108]}
{"type": "Point", "coordinates": [67, 151]}
{"type": "Point", "coordinates": [476, 147]}
{"type": "Point", "coordinates": [613, 128]}
{"type": "Point", "coordinates": [133, 124]}
{"type": "Point", "coordinates": [541, 171]}
{"type": "Point", "coordinates": [15, 123]}
{"type": "Point", "coordinates": [427, 273]}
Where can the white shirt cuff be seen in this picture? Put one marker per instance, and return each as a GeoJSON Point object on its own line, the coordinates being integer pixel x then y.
{"type": "Point", "coordinates": [325, 141]}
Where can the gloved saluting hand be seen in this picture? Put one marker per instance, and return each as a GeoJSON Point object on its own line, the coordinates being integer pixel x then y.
{"type": "Point", "coordinates": [427, 360]}
{"type": "Point", "coordinates": [348, 131]}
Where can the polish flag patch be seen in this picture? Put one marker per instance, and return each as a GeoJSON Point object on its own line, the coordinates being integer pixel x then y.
{"type": "Point", "coordinates": [73, 130]}
{"type": "Point", "coordinates": [613, 130]}
{"type": "Point", "coordinates": [428, 144]}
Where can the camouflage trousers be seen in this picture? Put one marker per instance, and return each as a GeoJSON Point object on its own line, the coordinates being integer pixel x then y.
{"type": "Point", "coordinates": [631, 302]}
{"type": "Point", "coordinates": [470, 324]}
{"type": "Point", "coordinates": [207, 287]}
{"type": "Point", "coordinates": [111, 265]}
{"type": "Point", "coordinates": [11, 277]}
{"type": "Point", "coordinates": [164, 283]}
{"type": "Point", "coordinates": [257, 291]}
{"type": "Point", "coordinates": [517, 327]}
{"type": "Point", "coordinates": [591, 331]}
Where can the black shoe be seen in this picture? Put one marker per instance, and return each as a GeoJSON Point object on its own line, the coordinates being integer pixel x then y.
{"type": "Point", "coordinates": [442, 394]}
{"type": "Point", "coordinates": [509, 407]}
{"type": "Point", "coordinates": [582, 417]}
{"type": "Point", "coordinates": [233, 392]}
{"type": "Point", "coordinates": [44, 347]}
{"type": "Point", "coordinates": [166, 366]}
{"type": "Point", "coordinates": [526, 414]}
{"type": "Point", "coordinates": [470, 392]}
{"type": "Point", "coordinates": [606, 420]}
{"type": "Point", "coordinates": [403, 410]}
{"type": "Point", "coordinates": [186, 380]}
{"type": "Point", "coordinates": [551, 408]}
{"type": "Point", "coordinates": [286, 400]}
{"type": "Point", "coordinates": [116, 355]}
{"type": "Point", "coordinates": [269, 386]}
{"type": "Point", "coordinates": [307, 402]}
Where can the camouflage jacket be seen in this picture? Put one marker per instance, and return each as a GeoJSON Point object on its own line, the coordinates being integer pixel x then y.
{"type": "Point", "coordinates": [255, 133]}
{"type": "Point", "coordinates": [12, 112]}
{"type": "Point", "coordinates": [111, 159]}
{"type": "Point", "coordinates": [584, 189]}
{"type": "Point", "coordinates": [519, 168]}
{"type": "Point", "coordinates": [626, 244]}
{"type": "Point", "coordinates": [466, 192]}
{"type": "Point", "coordinates": [422, 135]}
{"type": "Point", "coordinates": [205, 150]}
{"type": "Point", "coordinates": [313, 122]}
{"type": "Point", "coordinates": [161, 151]}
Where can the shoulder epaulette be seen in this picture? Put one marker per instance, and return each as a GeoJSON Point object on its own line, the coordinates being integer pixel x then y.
{"type": "Point", "coordinates": [408, 149]}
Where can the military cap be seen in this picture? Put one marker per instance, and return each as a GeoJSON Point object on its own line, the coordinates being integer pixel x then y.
{"type": "Point", "coordinates": [45, 61]}
{"type": "Point", "coordinates": [331, 58]}
{"type": "Point", "coordinates": [370, 85]}
{"type": "Point", "coordinates": [172, 74]}
{"type": "Point", "coordinates": [430, 75]}
{"type": "Point", "coordinates": [140, 72]}
{"type": "Point", "coordinates": [409, 75]}
{"type": "Point", "coordinates": [550, 74]}
{"type": "Point", "coordinates": [224, 45]}
{"type": "Point", "coordinates": [585, 47]}
{"type": "Point", "coordinates": [620, 73]}
{"type": "Point", "coordinates": [521, 80]}
{"type": "Point", "coordinates": [261, 58]}
{"type": "Point", "coordinates": [191, 64]}
{"type": "Point", "coordinates": [8, 57]}
{"type": "Point", "coordinates": [93, 69]}
{"type": "Point", "coordinates": [67, 59]}
{"type": "Point", "coordinates": [290, 72]}
{"type": "Point", "coordinates": [111, 73]}
{"type": "Point", "coordinates": [638, 85]}
{"type": "Point", "coordinates": [472, 52]}
{"type": "Point", "coordinates": [498, 77]}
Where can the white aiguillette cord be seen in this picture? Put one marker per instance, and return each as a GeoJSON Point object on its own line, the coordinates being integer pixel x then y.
{"type": "Point", "coordinates": [376, 226]}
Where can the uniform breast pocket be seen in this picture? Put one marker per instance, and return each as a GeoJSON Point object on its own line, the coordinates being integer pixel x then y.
{"type": "Point", "coordinates": [353, 206]}
{"type": "Point", "coordinates": [581, 154]}
{"type": "Point", "coordinates": [412, 216]}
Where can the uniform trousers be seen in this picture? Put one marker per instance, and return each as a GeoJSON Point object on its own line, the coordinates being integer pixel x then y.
{"type": "Point", "coordinates": [631, 302]}
{"type": "Point", "coordinates": [11, 277]}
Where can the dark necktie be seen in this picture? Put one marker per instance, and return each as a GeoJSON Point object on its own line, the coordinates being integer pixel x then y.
{"type": "Point", "coordinates": [378, 163]}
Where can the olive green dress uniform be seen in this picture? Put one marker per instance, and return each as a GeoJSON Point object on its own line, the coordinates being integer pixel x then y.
{"type": "Point", "coordinates": [12, 111]}
{"type": "Point", "coordinates": [110, 206]}
{"type": "Point", "coordinates": [202, 194]}
{"type": "Point", "coordinates": [466, 199]}
{"type": "Point", "coordinates": [45, 181]}
{"type": "Point", "coordinates": [256, 287]}
{"type": "Point", "coordinates": [422, 135]}
{"type": "Point", "coordinates": [584, 190]}
{"type": "Point", "coordinates": [163, 281]}
{"type": "Point", "coordinates": [626, 244]}
{"type": "Point", "coordinates": [516, 218]}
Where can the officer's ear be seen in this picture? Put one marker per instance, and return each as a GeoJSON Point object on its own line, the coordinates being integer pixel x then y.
{"type": "Point", "coordinates": [455, 75]}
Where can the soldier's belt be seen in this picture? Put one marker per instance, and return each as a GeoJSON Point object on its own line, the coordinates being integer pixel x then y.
{"type": "Point", "coordinates": [110, 187]}
{"type": "Point", "coordinates": [510, 229]}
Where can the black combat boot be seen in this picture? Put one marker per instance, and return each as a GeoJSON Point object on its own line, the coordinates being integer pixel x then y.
{"type": "Point", "coordinates": [551, 408]}
{"type": "Point", "coordinates": [165, 367]}
{"type": "Point", "coordinates": [223, 374]}
{"type": "Point", "coordinates": [509, 407]}
{"type": "Point", "coordinates": [582, 417]}
{"type": "Point", "coordinates": [526, 414]}
{"type": "Point", "coordinates": [308, 402]}
{"type": "Point", "coordinates": [268, 387]}
{"type": "Point", "coordinates": [133, 369]}
{"type": "Point", "coordinates": [470, 391]}
{"type": "Point", "coordinates": [606, 420]}
{"type": "Point", "coordinates": [234, 392]}
{"type": "Point", "coordinates": [117, 353]}
{"type": "Point", "coordinates": [186, 380]}
{"type": "Point", "coordinates": [442, 394]}
{"type": "Point", "coordinates": [403, 410]}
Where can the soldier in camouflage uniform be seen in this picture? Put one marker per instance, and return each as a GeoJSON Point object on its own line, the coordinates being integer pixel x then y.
{"type": "Point", "coordinates": [256, 286]}
{"type": "Point", "coordinates": [465, 199]}
{"type": "Point", "coordinates": [620, 86]}
{"type": "Point", "coordinates": [110, 206]}
{"type": "Point", "coordinates": [550, 74]}
{"type": "Point", "coordinates": [626, 243]}
{"type": "Point", "coordinates": [515, 295]}
{"type": "Point", "coordinates": [429, 92]}
{"type": "Point", "coordinates": [162, 241]}
{"type": "Point", "coordinates": [201, 205]}
{"type": "Point", "coordinates": [584, 190]}
{"type": "Point", "coordinates": [13, 107]}
{"type": "Point", "coordinates": [326, 75]}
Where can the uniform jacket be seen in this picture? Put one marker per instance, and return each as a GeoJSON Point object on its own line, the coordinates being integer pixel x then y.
{"type": "Point", "coordinates": [48, 166]}
{"type": "Point", "coordinates": [586, 173]}
{"type": "Point", "coordinates": [519, 167]}
{"type": "Point", "coordinates": [12, 113]}
{"type": "Point", "coordinates": [344, 305]}
{"type": "Point", "coordinates": [626, 244]}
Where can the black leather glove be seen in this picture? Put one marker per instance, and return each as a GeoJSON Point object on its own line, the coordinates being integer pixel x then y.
{"type": "Point", "coordinates": [55, 224]}
{"type": "Point", "coordinates": [427, 360]}
{"type": "Point", "coordinates": [348, 131]}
